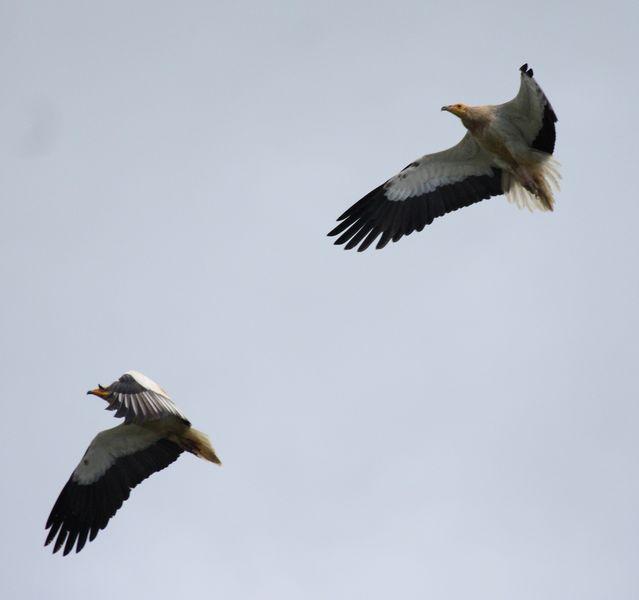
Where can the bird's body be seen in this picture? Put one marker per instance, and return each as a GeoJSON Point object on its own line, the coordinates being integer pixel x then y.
{"type": "Point", "coordinates": [507, 150]}
{"type": "Point", "coordinates": [522, 165]}
{"type": "Point", "coordinates": [153, 436]}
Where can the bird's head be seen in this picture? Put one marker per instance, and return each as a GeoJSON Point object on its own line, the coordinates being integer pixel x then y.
{"type": "Point", "coordinates": [132, 382]}
{"type": "Point", "coordinates": [101, 392]}
{"type": "Point", "coordinates": [459, 110]}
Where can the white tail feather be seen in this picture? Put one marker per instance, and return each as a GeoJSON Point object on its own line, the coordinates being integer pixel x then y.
{"type": "Point", "coordinates": [545, 177]}
{"type": "Point", "coordinates": [199, 444]}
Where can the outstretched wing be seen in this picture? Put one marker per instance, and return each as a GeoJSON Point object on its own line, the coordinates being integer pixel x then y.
{"type": "Point", "coordinates": [428, 188]}
{"type": "Point", "coordinates": [532, 113]}
{"type": "Point", "coordinates": [115, 462]}
{"type": "Point", "coordinates": [138, 398]}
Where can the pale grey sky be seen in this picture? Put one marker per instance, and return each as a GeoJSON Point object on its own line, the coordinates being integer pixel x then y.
{"type": "Point", "coordinates": [452, 417]}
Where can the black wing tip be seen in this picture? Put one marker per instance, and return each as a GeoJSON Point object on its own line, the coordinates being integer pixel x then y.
{"type": "Point", "coordinates": [70, 527]}
{"type": "Point", "coordinates": [525, 70]}
{"type": "Point", "coordinates": [361, 238]}
{"type": "Point", "coordinates": [375, 215]}
{"type": "Point", "coordinates": [350, 244]}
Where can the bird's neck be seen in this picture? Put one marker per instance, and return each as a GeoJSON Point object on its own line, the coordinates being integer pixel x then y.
{"type": "Point", "coordinates": [476, 119]}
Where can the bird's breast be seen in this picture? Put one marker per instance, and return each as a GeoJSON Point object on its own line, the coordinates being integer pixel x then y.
{"type": "Point", "coordinates": [494, 144]}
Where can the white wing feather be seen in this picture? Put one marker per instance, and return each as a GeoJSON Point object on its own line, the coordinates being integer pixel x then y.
{"type": "Point", "coordinates": [440, 168]}
{"type": "Point", "coordinates": [146, 403]}
{"type": "Point", "coordinates": [526, 109]}
{"type": "Point", "coordinates": [108, 446]}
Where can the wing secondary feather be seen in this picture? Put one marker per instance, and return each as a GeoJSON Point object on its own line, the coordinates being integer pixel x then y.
{"type": "Point", "coordinates": [531, 111]}
{"type": "Point", "coordinates": [138, 399]}
{"type": "Point", "coordinates": [428, 188]}
{"type": "Point", "coordinates": [116, 461]}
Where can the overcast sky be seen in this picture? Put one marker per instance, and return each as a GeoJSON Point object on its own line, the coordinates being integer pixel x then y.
{"type": "Point", "coordinates": [452, 417]}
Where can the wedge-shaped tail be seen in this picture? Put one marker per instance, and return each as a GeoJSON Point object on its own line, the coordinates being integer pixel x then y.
{"type": "Point", "coordinates": [535, 190]}
{"type": "Point", "coordinates": [198, 443]}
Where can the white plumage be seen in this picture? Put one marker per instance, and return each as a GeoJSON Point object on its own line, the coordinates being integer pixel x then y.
{"type": "Point", "coordinates": [432, 171]}
{"type": "Point", "coordinates": [153, 436]}
{"type": "Point", "coordinates": [108, 446]}
{"type": "Point", "coordinates": [507, 150]}
{"type": "Point", "coordinates": [138, 398]}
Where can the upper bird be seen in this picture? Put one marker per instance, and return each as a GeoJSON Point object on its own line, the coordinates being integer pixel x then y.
{"type": "Point", "coordinates": [507, 150]}
{"type": "Point", "coordinates": [153, 435]}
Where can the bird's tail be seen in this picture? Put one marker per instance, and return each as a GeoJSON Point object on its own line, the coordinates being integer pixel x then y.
{"type": "Point", "coordinates": [532, 186]}
{"type": "Point", "coordinates": [198, 443]}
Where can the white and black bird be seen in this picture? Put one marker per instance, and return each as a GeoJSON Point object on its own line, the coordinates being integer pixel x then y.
{"type": "Point", "coordinates": [153, 435]}
{"type": "Point", "coordinates": [507, 150]}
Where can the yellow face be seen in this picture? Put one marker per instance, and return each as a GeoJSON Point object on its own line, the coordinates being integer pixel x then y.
{"type": "Point", "coordinates": [456, 109]}
{"type": "Point", "coordinates": [100, 391]}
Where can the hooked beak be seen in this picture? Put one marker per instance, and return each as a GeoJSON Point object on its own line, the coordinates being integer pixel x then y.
{"type": "Point", "coordinates": [100, 392]}
{"type": "Point", "coordinates": [455, 109]}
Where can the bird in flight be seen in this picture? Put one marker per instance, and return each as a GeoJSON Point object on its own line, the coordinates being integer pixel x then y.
{"type": "Point", "coordinates": [153, 435]}
{"type": "Point", "coordinates": [506, 150]}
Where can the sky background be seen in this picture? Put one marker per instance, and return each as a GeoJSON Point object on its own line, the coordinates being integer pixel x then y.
{"type": "Point", "coordinates": [454, 416]}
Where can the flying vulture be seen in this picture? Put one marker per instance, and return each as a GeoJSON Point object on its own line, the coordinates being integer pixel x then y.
{"type": "Point", "coordinates": [507, 150]}
{"type": "Point", "coordinates": [153, 435]}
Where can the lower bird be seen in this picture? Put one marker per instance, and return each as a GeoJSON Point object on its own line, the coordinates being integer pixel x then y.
{"type": "Point", "coordinates": [507, 150]}
{"type": "Point", "coordinates": [153, 435]}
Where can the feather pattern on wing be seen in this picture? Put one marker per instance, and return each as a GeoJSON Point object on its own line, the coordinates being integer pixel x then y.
{"type": "Point", "coordinates": [531, 112]}
{"type": "Point", "coordinates": [428, 188]}
{"type": "Point", "coordinates": [507, 150]}
{"type": "Point", "coordinates": [138, 398]}
{"type": "Point", "coordinates": [116, 461]}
